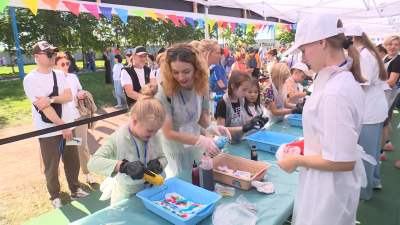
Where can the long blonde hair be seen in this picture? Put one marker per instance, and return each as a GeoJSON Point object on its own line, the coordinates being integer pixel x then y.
{"type": "Point", "coordinates": [364, 40]}
{"type": "Point", "coordinates": [148, 108]}
{"type": "Point", "coordinates": [279, 73]}
{"type": "Point", "coordinates": [201, 73]}
{"type": "Point", "coordinates": [336, 42]}
{"type": "Point", "coordinates": [207, 45]}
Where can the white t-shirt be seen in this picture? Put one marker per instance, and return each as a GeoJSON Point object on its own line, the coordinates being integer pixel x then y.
{"type": "Point", "coordinates": [126, 79]}
{"type": "Point", "coordinates": [117, 71]}
{"type": "Point", "coordinates": [38, 84]}
{"type": "Point", "coordinates": [75, 86]}
{"type": "Point", "coordinates": [158, 75]}
{"type": "Point", "coordinates": [376, 106]}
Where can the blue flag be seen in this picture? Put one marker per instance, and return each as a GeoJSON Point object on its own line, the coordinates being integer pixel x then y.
{"type": "Point", "coordinates": [123, 14]}
{"type": "Point", "coordinates": [200, 23]}
{"type": "Point", "coordinates": [106, 12]}
{"type": "Point", "coordinates": [190, 20]}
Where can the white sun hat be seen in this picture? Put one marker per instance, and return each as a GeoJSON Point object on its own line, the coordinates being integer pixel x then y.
{"type": "Point", "coordinates": [353, 30]}
{"type": "Point", "coordinates": [314, 28]}
{"type": "Point", "coordinates": [303, 67]}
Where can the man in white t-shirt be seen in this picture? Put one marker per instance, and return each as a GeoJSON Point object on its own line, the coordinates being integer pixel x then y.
{"type": "Point", "coordinates": [135, 77]}
{"type": "Point", "coordinates": [49, 92]}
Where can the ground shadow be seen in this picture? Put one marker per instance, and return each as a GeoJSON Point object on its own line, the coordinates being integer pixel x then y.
{"type": "Point", "coordinates": [93, 144]}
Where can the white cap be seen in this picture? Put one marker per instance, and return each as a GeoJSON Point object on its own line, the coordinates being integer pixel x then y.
{"type": "Point", "coordinates": [303, 67]}
{"type": "Point", "coordinates": [314, 28]}
{"type": "Point", "coordinates": [353, 30]}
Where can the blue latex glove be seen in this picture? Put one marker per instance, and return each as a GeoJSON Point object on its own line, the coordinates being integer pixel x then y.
{"type": "Point", "coordinates": [217, 98]}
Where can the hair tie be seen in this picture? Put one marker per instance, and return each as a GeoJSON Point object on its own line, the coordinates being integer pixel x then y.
{"type": "Point", "coordinates": [348, 42]}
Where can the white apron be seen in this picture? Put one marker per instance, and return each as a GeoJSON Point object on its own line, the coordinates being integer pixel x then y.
{"type": "Point", "coordinates": [392, 93]}
{"type": "Point", "coordinates": [233, 120]}
{"type": "Point", "coordinates": [122, 186]}
{"type": "Point", "coordinates": [279, 103]}
{"type": "Point", "coordinates": [326, 197]}
{"type": "Point", "coordinates": [185, 120]}
{"type": "Point", "coordinates": [297, 88]}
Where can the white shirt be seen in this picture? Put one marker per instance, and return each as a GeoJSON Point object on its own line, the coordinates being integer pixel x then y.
{"type": "Point", "coordinates": [158, 75]}
{"type": "Point", "coordinates": [376, 106]}
{"type": "Point", "coordinates": [332, 121]}
{"type": "Point", "coordinates": [126, 79]}
{"type": "Point", "coordinates": [75, 86]}
{"type": "Point", "coordinates": [117, 71]}
{"type": "Point", "coordinates": [38, 84]}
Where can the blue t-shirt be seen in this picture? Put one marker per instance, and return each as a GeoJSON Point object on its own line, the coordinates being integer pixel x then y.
{"type": "Point", "coordinates": [220, 74]}
{"type": "Point", "coordinates": [213, 79]}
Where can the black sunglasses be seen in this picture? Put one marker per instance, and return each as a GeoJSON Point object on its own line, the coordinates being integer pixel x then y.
{"type": "Point", "coordinates": [49, 54]}
{"type": "Point", "coordinates": [65, 64]}
{"type": "Point", "coordinates": [183, 52]}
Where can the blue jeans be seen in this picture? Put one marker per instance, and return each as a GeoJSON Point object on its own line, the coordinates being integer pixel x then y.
{"type": "Point", "coordinates": [118, 91]}
{"type": "Point", "coordinates": [91, 66]}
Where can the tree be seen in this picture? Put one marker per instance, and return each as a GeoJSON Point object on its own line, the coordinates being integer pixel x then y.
{"type": "Point", "coordinates": [286, 37]}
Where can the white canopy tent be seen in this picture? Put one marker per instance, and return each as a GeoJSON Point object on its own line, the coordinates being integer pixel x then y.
{"type": "Point", "coordinates": [378, 18]}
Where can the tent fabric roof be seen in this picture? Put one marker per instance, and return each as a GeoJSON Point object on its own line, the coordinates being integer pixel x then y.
{"type": "Point", "coordinates": [376, 17]}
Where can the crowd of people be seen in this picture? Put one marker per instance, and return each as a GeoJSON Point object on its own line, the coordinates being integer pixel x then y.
{"type": "Point", "coordinates": [347, 102]}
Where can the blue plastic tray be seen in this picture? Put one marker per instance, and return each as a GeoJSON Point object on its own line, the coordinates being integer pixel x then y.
{"type": "Point", "coordinates": [296, 120]}
{"type": "Point", "coordinates": [189, 191]}
{"type": "Point", "coordinates": [269, 141]}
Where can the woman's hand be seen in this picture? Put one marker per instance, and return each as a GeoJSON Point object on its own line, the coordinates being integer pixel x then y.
{"type": "Point", "coordinates": [81, 95]}
{"type": "Point", "coordinates": [219, 131]}
{"type": "Point", "coordinates": [289, 163]}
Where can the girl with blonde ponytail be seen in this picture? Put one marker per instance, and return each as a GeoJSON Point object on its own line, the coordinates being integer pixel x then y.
{"type": "Point", "coordinates": [133, 150]}
{"type": "Point", "coordinates": [376, 106]}
{"type": "Point", "coordinates": [331, 167]}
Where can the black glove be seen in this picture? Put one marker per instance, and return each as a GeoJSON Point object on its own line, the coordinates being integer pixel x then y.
{"type": "Point", "coordinates": [261, 120]}
{"type": "Point", "coordinates": [135, 170]}
{"type": "Point", "coordinates": [300, 105]}
{"type": "Point", "coordinates": [250, 126]}
{"type": "Point", "coordinates": [154, 165]}
{"type": "Point", "coordinates": [297, 110]}
{"type": "Point", "coordinates": [308, 93]}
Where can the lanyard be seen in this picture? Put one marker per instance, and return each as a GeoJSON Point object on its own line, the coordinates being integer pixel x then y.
{"type": "Point", "coordinates": [137, 149]}
{"type": "Point", "coordinates": [362, 49]}
{"type": "Point", "coordinates": [190, 116]}
{"type": "Point", "coordinates": [334, 72]}
{"type": "Point", "coordinates": [61, 147]}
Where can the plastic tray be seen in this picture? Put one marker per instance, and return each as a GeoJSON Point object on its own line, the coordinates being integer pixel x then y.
{"type": "Point", "coordinates": [296, 120]}
{"type": "Point", "coordinates": [238, 163]}
{"type": "Point", "coordinates": [269, 141]}
{"type": "Point", "coordinates": [189, 191]}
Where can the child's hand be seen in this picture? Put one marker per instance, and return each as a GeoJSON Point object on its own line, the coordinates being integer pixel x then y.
{"type": "Point", "coordinates": [289, 163]}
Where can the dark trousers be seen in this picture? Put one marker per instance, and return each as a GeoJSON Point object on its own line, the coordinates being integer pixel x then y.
{"type": "Point", "coordinates": [51, 159]}
{"type": "Point", "coordinates": [256, 73]}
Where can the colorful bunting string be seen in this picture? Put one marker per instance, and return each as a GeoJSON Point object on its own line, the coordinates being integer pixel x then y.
{"type": "Point", "coordinates": [220, 24]}
{"type": "Point", "coordinates": [207, 20]}
{"type": "Point", "coordinates": [224, 24]}
{"type": "Point", "coordinates": [212, 24]}
{"type": "Point", "coordinates": [182, 19]}
{"type": "Point", "coordinates": [174, 19]}
{"type": "Point", "coordinates": [52, 3]}
{"type": "Point", "coordinates": [139, 13]}
{"type": "Point", "coordinates": [106, 12]}
{"type": "Point", "coordinates": [161, 16]}
{"type": "Point", "coordinates": [123, 14]}
{"type": "Point", "coordinates": [190, 20]}
{"type": "Point", "coordinates": [233, 25]}
{"type": "Point", "coordinates": [151, 14]}
{"type": "Point", "coordinates": [3, 5]}
{"type": "Point", "coordinates": [201, 23]}
{"type": "Point", "coordinates": [92, 9]}
{"type": "Point", "coordinates": [73, 7]}
{"type": "Point", "coordinates": [243, 28]}
{"type": "Point", "coordinates": [32, 5]}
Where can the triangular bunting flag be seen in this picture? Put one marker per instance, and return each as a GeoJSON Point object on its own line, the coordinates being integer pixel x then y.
{"type": "Point", "coordinates": [161, 16]}
{"type": "Point", "coordinates": [232, 27]}
{"type": "Point", "coordinates": [174, 19]}
{"type": "Point", "coordinates": [207, 20]}
{"type": "Point", "coordinates": [224, 25]}
{"type": "Point", "coordinates": [92, 9]}
{"type": "Point", "coordinates": [288, 27]}
{"type": "Point", "coordinates": [236, 25]}
{"type": "Point", "coordinates": [190, 20]}
{"type": "Point", "coordinates": [180, 18]}
{"type": "Point", "coordinates": [52, 3]}
{"type": "Point", "coordinates": [270, 28]}
{"type": "Point", "coordinates": [106, 12]}
{"type": "Point", "coordinates": [212, 24]}
{"type": "Point", "coordinates": [382, 39]}
{"type": "Point", "coordinates": [263, 28]}
{"type": "Point", "coordinates": [139, 13]}
{"type": "Point", "coordinates": [295, 26]}
{"type": "Point", "coordinates": [257, 27]}
{"type": "Point", "coordinates": [33, 5]}
{"type": "Point", "coordinates": [123, 14]}
{"type": "Point", "coordinates": [3, 5]}
{"type": "Point", "coordinates": [151, 14]}
{"type": "Point", "coordinates": [243, 28]}
{"type": "Point", "coordinates": [379, 39]}
{"type": "Point", "coordinates": [201, 23]}
{"type": "Point", "coordinates": [220, 24]}
{"type": "Point", "coordinates": [248, 27]}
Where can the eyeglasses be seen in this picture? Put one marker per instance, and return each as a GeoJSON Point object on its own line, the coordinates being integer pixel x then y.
{"type": "Point", "coordinates": [65, 64]}
{"type": "Point", "coordinates": [183, 52]}
{"type": "Point", "coordinates": [49, 54]}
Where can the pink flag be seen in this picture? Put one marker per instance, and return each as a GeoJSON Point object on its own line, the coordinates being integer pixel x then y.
{"type": "Point", "coordinates": [92, 9]}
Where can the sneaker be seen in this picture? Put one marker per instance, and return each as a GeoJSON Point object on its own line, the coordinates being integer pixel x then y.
{"type": "Point", "coordinates": [56, 203]}
{"type": "Point", "coordinates": [78, 194]}
{"type": "Point", "coordinates": [379, 187]}
{"type": "Point", "coordinates": [383, 156]}
{"type": "Point", "coordinates": [398, 165]}
{"type": "Point", "coordinates": [388, 146]}
{"type": "Point", "coordinates": [118, 106]}
{"type": "Point", "coordinates": [89, 178]}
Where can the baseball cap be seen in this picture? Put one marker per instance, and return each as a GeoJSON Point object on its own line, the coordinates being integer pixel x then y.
{"type": "Point", "coordinates": [43, 46]}
{"type": "Point", "coordinates": [251, 49]}
{"type": "Point", "coordinates": [139, 50]}
{"type": "Point", "coordinates": [314, 28]}
{"type": "Point", "coordinates": [353, 30]}
{"type": "Point", "coordinates": [303, 67]}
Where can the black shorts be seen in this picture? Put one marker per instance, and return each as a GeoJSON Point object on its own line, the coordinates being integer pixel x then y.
{"type": "Point", "coordinates": [256, 73]}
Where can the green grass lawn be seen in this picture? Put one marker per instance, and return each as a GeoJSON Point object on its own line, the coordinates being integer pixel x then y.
{"type": "Point", "coordinates": [15, 107]}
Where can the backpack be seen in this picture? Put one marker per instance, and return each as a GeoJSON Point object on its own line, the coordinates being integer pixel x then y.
{"type": "Point", "coordinates": [253, 61]}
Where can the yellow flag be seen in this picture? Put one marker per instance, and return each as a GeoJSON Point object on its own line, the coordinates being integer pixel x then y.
{"type": "Point", "coordinates": [212, 24]}
{"type": "Point", "coordinates": [32, 5]}
{"type": "Point", "coordinates": [151, 14]}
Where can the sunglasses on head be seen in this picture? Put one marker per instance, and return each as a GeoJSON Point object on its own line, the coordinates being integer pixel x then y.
{"type": "Point", "coordinates": [65, 64]}
{"type": "Point", "coordinates": [184, 52]}
{"type": "Point", "coordinates": [49, 54]}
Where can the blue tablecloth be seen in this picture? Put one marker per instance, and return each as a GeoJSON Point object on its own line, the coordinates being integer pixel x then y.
{"type": "Point", "coordinates": [272, 209]}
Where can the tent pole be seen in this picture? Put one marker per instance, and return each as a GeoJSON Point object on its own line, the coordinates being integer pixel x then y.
{"type": "Point", "coordinates": [206, 24]}
{"type": "Point", "coordinates": [16, 37]}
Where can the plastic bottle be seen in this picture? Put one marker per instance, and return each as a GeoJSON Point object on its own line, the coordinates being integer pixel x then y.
{"type": "Point", "coordinates": [195, 174]}
{"type": "Point", "coordinates": [157, 180]}
{"type": "Point", "coordinates": [221, 142]}
{"type": "Point", "coordinates": [254, 155]}
{"type": "Point", "coordinates": [208, 178]}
